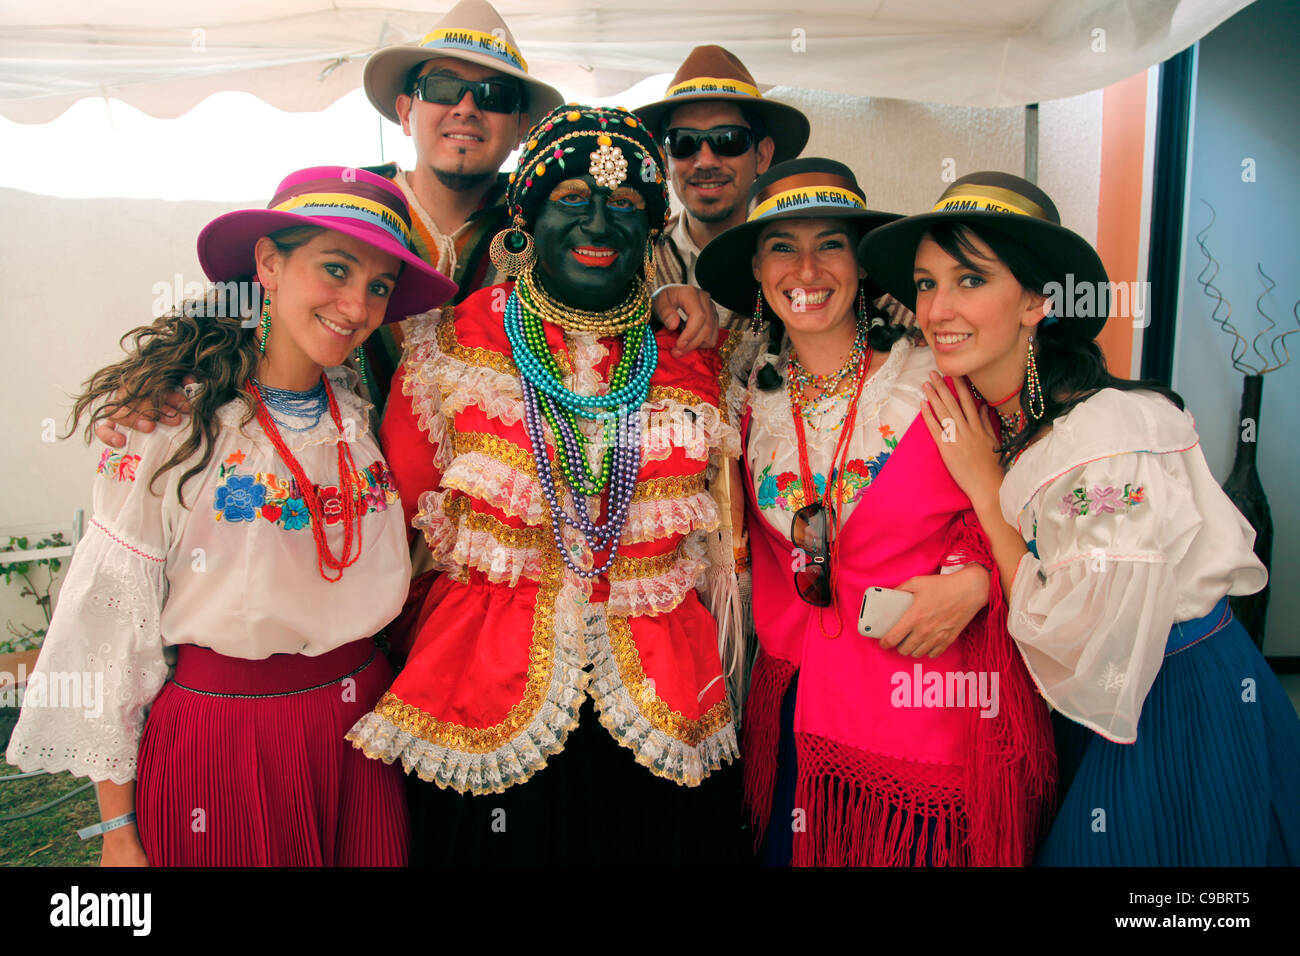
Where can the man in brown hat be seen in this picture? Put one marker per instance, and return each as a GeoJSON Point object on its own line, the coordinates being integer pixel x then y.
{"type": "Point", "coordinates": [720, 134]}
{"type": "Point", "coordinates": [464, 95]}
{"type": "Point", "coordinates": [466, 98]}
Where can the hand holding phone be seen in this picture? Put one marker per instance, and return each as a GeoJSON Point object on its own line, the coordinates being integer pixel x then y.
{"type": "Point", "coordinates": [882, 608]}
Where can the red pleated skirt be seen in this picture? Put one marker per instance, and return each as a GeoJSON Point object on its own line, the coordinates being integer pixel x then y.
{"type": "Point", "coordinates": [243, 763]}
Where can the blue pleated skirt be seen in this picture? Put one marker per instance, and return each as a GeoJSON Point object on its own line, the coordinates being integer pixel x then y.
{"type": "Point", "coordinates": [1213, 779]}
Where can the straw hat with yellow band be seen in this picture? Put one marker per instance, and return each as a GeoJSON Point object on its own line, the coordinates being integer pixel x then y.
{"type": "Point", "coordinates": [471, 31]}
{"type": "Point", "coordinates": [712, 73]}
{"type": "Point", "coordinates": [808, 188]}
{"type": "Point", "coordinates": [1000, 202]}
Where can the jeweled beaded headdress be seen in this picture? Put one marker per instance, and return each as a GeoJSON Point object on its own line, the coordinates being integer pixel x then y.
{"type": "Point", "coordinates": [609, 143]}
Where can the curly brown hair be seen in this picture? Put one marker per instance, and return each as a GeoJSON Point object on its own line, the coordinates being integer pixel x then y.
{"type": "Point", "coordinates": [220, 352]}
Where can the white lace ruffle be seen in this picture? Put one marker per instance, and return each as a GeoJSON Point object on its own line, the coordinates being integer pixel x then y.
{"type": "Point", "coordinates": [664, 517]}
{"type": "Point", "coordinates": [505, 488]}
{"type": "Point", "coordinates": [660, 593]}
{"type": "Point", "coordinates": [664, 755]}
{"type": "Point", "coordinates": [106, 643]}
{"type": "Point", "coordinates": [696, 429]}
{"type": "Point", "coordinates": [516, 760]}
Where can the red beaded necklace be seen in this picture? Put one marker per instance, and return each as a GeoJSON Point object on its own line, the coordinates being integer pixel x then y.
{"type": "Point", "coordinates": [833, 497]}
{"type": "Point", "coordinates": [311, 493]}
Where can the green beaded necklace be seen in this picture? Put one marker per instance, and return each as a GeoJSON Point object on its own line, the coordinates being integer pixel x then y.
{"type": "Point", "coordinates": [627, 391]}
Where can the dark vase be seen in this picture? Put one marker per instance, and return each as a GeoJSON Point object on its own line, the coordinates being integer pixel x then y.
{"type": "Point", "coordinates": [1244, 489]}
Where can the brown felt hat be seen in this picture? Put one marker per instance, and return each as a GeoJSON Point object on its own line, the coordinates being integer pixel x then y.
{"type": "Point", "coordinates": [472, 31]}
{"type": "Point", "coordinates": [712, 73]}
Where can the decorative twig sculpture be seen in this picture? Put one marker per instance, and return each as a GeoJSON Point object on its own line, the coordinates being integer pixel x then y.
{"type": "Point", "coordinates": [1243, 485]}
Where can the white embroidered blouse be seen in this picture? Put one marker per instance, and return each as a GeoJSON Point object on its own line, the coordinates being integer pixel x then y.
{"type": "Point", "coordinates": [890, 401]}
{"type": "Point", "coordinates": [235, 571]}
{"type": "Point", "coordinates": [1129, 534]}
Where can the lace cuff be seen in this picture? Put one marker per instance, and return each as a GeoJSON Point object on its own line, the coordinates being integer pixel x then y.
{"type": "Point", "coordinates": [101, 664]}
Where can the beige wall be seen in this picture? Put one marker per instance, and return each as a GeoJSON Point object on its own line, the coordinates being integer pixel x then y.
{"type": "Point", "coordinates": [75, 274]}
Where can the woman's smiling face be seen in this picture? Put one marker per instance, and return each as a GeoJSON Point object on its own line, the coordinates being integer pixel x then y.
{"type": "Point", "coordinates": [976, 317]}
{"type": "Point", "coordinates": [590, 242]}
{"type": "Point", "coordinates": [808, 272]}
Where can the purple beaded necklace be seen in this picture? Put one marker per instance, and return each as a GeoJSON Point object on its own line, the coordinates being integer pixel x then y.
{"type": "Point", "coordinates": [625, 466]}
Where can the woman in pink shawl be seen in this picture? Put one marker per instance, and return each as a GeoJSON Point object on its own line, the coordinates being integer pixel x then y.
{"type": "Point", "coordinates": [926, 745]}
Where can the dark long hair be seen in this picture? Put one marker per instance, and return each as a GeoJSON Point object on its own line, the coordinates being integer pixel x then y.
{"type": "Point", "coordinates": [218, 351]}
{"type": "Point", "coordinates": [1070, 369]}
{"type": "Point", "coordinates": [880, 338]}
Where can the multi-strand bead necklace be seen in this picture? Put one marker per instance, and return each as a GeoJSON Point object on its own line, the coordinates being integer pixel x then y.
{"type": "Point", "coordinates": [619, 410]}
{"type": "Point", "coordinates": [798, 378]}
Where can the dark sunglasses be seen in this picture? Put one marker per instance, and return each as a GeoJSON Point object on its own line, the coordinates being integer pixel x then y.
{"type": "Point", "coordinates": [808, 535]}
{"type": "Point", "coordinates": [682, 142]}
{"type": "Point", "coordinates": [495, 96]}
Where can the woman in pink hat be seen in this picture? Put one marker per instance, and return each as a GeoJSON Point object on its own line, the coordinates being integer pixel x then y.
{"type": "Point", "coordinates": [238, 564]}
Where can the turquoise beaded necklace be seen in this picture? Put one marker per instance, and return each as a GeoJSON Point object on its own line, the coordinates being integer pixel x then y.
{"type": "Point", "coordinates": [629, 385]}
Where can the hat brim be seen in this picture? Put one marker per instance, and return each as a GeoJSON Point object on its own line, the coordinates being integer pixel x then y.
{"type": "Point", "coordinates": [386, 71]}
{"type": "Point", "coordinates": [889, 255]}
{"type": "Point", "coordinates": [787, 126]}
{"type": "Point", "coordinates": [724, 268]}
{"type": "Point", "coordinates": [226, 252]}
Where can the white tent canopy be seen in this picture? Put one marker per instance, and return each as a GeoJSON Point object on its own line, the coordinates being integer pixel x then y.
{"type": "Point", "coordinates": [305, 54]}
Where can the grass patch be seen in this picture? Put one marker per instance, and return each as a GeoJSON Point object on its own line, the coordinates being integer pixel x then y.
{"type": "Point", "coordinates": [49, 838]}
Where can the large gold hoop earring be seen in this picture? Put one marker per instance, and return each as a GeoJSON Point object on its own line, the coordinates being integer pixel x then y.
{"type": "Point", "coordinates": [512, 250]}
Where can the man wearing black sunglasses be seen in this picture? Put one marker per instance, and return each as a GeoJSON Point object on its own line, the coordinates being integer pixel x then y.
{"type": "Point", "coordinates": [720, 135]}
{"type": "Point", "coordinates": [466, 98]}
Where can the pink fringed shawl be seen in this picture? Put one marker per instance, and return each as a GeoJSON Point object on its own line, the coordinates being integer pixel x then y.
{"type": "Point", "coordinates": [872, 772]}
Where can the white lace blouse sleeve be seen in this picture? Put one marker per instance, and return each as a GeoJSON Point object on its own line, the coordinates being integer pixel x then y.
{"type": "Point", "coordinates": [1091, 612]}
{"type": "Point", "coordinates": [101, 664]}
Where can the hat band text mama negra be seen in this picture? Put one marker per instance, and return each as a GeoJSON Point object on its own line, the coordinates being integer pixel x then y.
{"type": "Point", "coordinates": [343, 206]}
{"type": "Point", "coordinates": [713, 86]}
{"type": "Point", "coordinates": [828, 198]}
{"type": "Point", "coordinates": [475, 41]}
{"type": "Point", "coordinates": [974, 198]}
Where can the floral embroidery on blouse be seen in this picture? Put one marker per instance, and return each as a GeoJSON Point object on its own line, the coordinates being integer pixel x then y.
{"type": "Point", "coordinates": [786, 489]}
{"type": "Point", "coordinates": [1102, 500]}
{"type": "Point", "coordinates": [116, 466]}
{"type": "Point", "coordinates": [1112, 678]}
{"type": "Point", "coordinates": [245, 497]}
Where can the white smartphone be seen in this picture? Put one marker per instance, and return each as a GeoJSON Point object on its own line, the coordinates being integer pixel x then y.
{"type": "Point", "coordinates": [882, 608]}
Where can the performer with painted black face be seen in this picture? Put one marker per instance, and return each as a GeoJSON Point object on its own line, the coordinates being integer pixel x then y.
{"type": "Point", "coordinates": [563, 697]}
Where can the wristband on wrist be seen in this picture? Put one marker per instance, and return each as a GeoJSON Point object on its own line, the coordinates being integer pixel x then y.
{"type": "Point", "coordinates": [101, 828]}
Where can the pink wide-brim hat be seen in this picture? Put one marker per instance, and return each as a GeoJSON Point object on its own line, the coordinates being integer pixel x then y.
{"type": "Point", "coordinates": [352, 201]}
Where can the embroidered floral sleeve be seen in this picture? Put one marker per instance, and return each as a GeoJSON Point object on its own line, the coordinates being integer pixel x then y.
{"type": "Point", "coordinates": [1093, 600]}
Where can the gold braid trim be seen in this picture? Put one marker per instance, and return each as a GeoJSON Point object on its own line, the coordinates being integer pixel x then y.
{"type": "Point", "coordinates": [541, 662]}
{"type": "Point", "coordinates": [671, 722]}
{"type": "Point", "coordinates": [671, 393]}
{"type": "Point", "coordinates": [625, 568]}
{"type": "Point", "coordinates": [472, 355]}
{"type": "Point", "coordinates": [460, 509]}
{"type": "Point", "coordinates": [729, 342]}
{"type": "Point", "coordinates": [671, 487]}
{"type": "Point", "coordinates": [496, 447]}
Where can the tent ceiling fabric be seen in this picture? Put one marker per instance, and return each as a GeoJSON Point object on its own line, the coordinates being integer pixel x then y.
{"type": "Point", "coordinates": [305, 54]}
